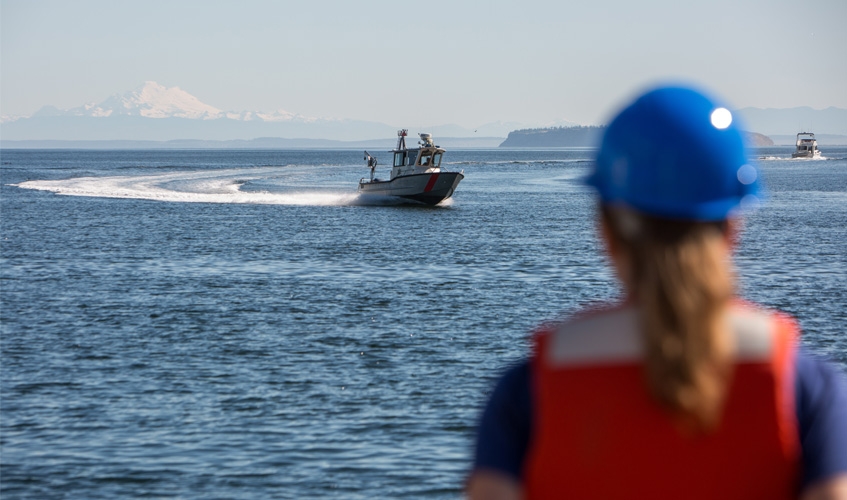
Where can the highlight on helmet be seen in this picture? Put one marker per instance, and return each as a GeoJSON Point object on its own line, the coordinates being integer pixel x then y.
{"type": "Point", "coordinates": [675, 153]}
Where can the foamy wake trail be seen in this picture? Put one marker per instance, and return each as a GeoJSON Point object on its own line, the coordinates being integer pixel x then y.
{"type": "Point", "coordinates": [783, 158]}
{"type": "Point", "coordinates": [193, 187]}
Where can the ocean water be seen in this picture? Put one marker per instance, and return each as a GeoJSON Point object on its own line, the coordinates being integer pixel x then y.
{"type": "Point", "coordinates": [241, 324]}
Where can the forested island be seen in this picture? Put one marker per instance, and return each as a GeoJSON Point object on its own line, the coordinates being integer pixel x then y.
{"type": "Point", "coordinates": [555, 137]}
{"type": "Point", "coordinates": [755, 140]}
{"type": "Point", "coordinates": [584, 137]}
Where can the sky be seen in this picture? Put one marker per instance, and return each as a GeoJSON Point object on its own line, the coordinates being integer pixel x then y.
{"type": "Point", "coordinates": [424, 63]}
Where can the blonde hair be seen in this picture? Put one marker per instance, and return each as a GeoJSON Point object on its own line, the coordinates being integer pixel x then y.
{"type": "Point", "coordinates": [683, 284]}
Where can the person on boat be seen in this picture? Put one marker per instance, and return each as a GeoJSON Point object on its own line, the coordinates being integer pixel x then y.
{"type": "Point", "coordinates": [682, 390]}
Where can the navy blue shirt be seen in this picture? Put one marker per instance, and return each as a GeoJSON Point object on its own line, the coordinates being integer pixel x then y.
{"type": "Point", "coordinates": [821, 396]}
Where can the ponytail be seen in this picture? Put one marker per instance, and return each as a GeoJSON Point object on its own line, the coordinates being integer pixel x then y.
{"type": "Point", "coordinates": [679, 276]}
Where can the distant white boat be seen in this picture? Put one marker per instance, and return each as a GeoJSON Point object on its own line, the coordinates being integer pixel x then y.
{"type": "Point", "coordinates": [416, 174]}
{"type": "Point", "coordinates": [806, 147]}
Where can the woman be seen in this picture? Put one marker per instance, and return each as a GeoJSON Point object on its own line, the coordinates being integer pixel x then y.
{"type": "Point", "coordinates": [682, 391]}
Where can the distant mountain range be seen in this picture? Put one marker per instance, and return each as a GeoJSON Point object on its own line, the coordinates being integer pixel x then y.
{"type": "Point", "coordinates": [153, 112]}
{"type": "Point", "coordinates": [156, 116]}
{"type": "Point", "coordinates": [790, 121]}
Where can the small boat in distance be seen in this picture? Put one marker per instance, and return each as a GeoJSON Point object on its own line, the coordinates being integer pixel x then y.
{"type": "Point", "coordinates": [807, 146]}
{"type": "Point", "coordinates": [416, 174]}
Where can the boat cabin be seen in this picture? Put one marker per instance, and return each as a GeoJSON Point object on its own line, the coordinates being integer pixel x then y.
{"type": "Point", "coordinates": [420, 160]}
{"type": "Point", "coordinates": [806, 146]}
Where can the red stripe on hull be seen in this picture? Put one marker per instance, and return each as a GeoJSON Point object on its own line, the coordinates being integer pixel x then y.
{"type": "Point", "coordinates": [431, 183]}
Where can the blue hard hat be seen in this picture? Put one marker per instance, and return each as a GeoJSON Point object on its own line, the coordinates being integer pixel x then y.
{"type": "Point", "coordinates": [678, 154]}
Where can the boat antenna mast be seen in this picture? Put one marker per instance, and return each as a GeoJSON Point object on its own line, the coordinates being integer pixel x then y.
{"type": "Point", "coordinates": [401, 138]}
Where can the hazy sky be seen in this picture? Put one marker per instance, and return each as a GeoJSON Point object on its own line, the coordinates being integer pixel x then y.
{"type": "Point", "coordinates": [424, 63]}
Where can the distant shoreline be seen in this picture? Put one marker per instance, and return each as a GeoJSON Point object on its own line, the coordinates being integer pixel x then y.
{"type": "Point", "coordinates": [590, 137]}
{"type": "Point", "coordinates": [824, 140]}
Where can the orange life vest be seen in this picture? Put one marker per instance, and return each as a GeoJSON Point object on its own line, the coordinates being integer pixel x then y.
{"type": "Point", "coordinates": [598, 433]}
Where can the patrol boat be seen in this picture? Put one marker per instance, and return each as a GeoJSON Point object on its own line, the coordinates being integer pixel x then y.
{"type": "Point", "coordinates": [416, 174]}
{"type": "Point", "coordinates": [807, 146]}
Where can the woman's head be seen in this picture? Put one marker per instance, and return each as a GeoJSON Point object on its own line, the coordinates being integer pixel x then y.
{"type": "Point", "coordinates": [671, 172]}
{"type": "Point", "coordinates": [675, 153]}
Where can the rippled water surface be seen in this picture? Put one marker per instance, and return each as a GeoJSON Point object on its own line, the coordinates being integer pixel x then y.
{"type": "Point", "coordinates": [241, 324]}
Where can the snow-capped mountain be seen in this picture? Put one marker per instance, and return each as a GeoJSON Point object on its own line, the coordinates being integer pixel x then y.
{"type": "Point", "coordinates": [153, 100]}
{"type": "Point", "coordinates": [158, 113]}
{"type": "Point", "coordinates": [155, 112]}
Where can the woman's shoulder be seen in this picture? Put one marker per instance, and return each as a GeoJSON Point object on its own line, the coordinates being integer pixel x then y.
{"type": "Point", "coordinates": [505, 427]}
{"type": "Point", "coordinates": [821, 392]}
{"type": "Point", "coordinates": [821, 385]}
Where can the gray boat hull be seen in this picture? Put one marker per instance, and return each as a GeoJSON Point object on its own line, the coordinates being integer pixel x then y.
{"type": "Point", "coordinates": [428, 188]}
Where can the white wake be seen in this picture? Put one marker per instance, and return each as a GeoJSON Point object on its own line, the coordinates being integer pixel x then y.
{"type": "Point", "coordinates": [200, 187]}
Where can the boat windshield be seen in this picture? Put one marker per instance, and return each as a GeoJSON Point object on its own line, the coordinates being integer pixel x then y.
{"type": "Point", "coordinates": [430, 159]}
{"type": "Point", "coordinates": [403, 158]}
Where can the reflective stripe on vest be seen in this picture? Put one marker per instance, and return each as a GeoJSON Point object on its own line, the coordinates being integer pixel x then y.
{"type": "Point", "coordinates": [598, 433]}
